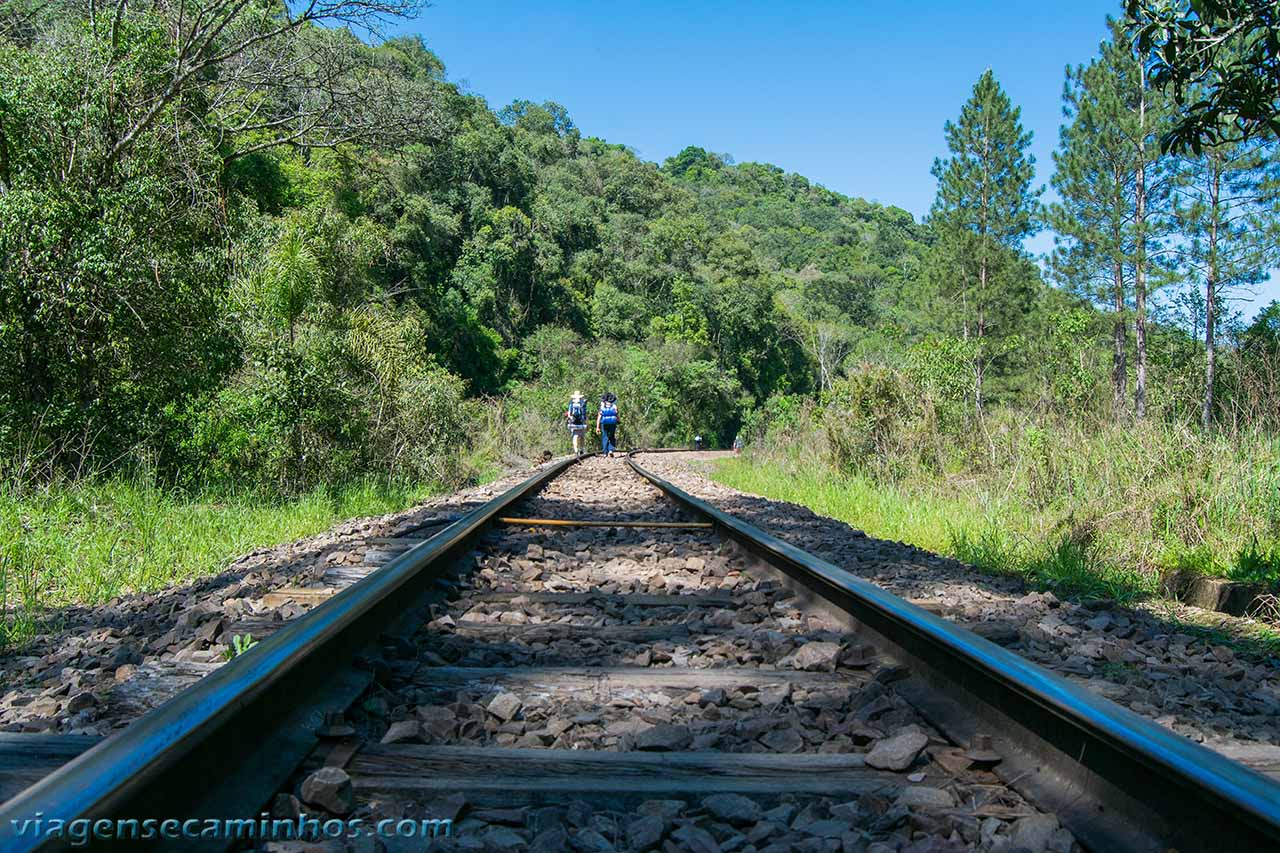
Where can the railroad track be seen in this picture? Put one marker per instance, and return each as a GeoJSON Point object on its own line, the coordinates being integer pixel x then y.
{"type": "Point", "coordinates": [548, 682]}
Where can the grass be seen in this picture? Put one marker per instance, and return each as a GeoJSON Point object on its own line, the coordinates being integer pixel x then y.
{"type": "Point", "coordinates": [1064, 565]}
{"type": "Point", "coordinates": [989, 531]}
{"type": "Point", "coordinates": [90, 542]}
{"type": "Point", "coordinates": [1000, 534]}
{"type": "Point", "coordinates": [1084, 505]}
{"type": "Point", "coordinates": [884, 511]}
{"type": "Point", "coordinates": [1256, 565]}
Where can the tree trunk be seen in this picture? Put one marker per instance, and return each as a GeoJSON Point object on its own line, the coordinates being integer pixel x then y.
{"type": "Point", "coordinates": [1206, 413]}
{"type": "Point", "coordinates": [824, 372]}
{"type": "Point", "coordinates": [1140, 259]}
{"type": "Point", "coordinates": [1120, 349]}
{"type": "Point", "coordinates": [978, 374]}
{"type": "Point", "coordinates": [979, 329]}
{"type": "Point", "coordinates": [1210, 298]}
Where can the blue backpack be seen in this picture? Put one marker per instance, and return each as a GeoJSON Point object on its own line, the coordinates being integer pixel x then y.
{"type": "Point", "coordinates": [578, 412]}
{"type": "Point", "coordinates": [608, 414]}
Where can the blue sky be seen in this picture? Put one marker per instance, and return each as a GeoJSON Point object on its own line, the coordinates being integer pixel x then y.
{"type": "Point", "coordinates": [850, 94]}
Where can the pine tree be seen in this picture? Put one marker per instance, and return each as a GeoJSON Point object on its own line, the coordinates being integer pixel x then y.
{"type": "Point", "coordinates": [1114, 186]}
{"type": "Point", "coordinates": [1093, 181]}
{"type": "Point", "coordinates": [1225, 201]}
{"type": "Point", "coordinates": [984, 209]}
{"type": "Point", "coordinates": [1146, 147]}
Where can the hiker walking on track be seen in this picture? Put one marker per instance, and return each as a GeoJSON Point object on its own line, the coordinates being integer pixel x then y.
{"type": "Point", "coordinates": [576, 417]}
{"type": "Point", "coordinates": [607, 423]}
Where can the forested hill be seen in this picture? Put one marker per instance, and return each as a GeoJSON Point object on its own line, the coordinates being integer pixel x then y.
{"type": "Point", "coordinates": [226, 289]}
{"type": "Point", "coordinates": [240, 245]}
{"type": "Point", "coordinates": [798, 223]}
{"type": "Point", "coordinates": [846, 251]}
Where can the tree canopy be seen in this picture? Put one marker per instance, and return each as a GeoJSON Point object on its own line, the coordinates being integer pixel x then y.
{"type": "Point", "coordinates": [249, 243]}
{"type": "Point", "coordinates": [1221, 58]}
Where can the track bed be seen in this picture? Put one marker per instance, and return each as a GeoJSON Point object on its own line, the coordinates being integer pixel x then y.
{"type": "Point", "coordinates": [601, 688]}
{"type": "Point", "coordinates": [597, 659]}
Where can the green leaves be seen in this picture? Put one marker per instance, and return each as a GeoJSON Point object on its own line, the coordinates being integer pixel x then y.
{"type": "Point", "coordinates": [1221, 60]}
{"type": "Point", "coordinates": [944, 365]}
{"type": "Point", "coordinates": [1074, 374]}
{"type": "Point", "coordinates": [289, 279]}
{"type": "Point", "coordinates": [984, 187]}
{"type": "Point", "coordinates": [108, 275]}
{"type": "Point", "coordinates": [984, 209]}
{"type": "Point", "coordinates": [863, 415]}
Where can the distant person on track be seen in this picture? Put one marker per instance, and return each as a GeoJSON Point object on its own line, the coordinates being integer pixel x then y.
{"type": "Point", "coordinates": [698, 443]}
{"type": "Point", "coordinates": [737, 445]}
{"type": "Point", "coordinates": [576, 417]}
{"type": "Point", "coordinates": [607, 424]}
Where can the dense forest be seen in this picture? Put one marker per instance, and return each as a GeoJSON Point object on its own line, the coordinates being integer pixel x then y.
{"type": "Point", "coordinates": [245, 245]}
{"type": "Point", "coordinates": [229, 266]}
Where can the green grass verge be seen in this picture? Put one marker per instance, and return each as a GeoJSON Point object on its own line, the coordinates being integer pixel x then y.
{"type": "Point", "coordinates": [87, 543]}
{"type": "Point", "coordinates": [999, 535]}
{"type": "Point", "coordinates": [992, 533]}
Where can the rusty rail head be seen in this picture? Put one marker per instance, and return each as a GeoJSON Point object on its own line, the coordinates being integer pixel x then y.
{"type": "Point", "coordinates": [164, 759]}
{"type": "Point", "coordinates": [1115, 768]}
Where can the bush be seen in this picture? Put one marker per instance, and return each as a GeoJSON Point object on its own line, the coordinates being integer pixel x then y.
{"type": "Point", "coordinates": [1254, 564]}
{"type": "Point", "coordinates": [776, 418]}
{"type": "Point", "coordinates": [323, 412]}
{"type": "Point", "coordinates": [864, 417]}
{"type": "Point", "coordinates": [422, 437]}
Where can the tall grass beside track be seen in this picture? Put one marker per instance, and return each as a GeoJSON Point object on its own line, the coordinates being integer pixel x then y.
{"type": "Point", "coordinates": [1101, 512]}
{"type": "Point", "coordinates": [89, 542]}
{"type": "Point", "coordinates": [976, 532]}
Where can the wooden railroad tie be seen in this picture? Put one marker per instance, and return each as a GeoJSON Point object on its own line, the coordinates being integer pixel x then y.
{"type": "Point", "coordinates": [576, 522]}
{"type": "Point", "coordinates": [513, 777]}
{"type": "Point", "coordinates": [605, 682]}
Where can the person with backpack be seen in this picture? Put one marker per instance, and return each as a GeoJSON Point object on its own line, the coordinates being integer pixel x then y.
{"type": "Point", "coordinates": [576, 417]}
{"type": "Point", "coordinates": [607, 423]}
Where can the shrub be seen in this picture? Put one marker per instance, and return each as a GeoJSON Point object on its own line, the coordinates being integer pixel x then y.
{"type": "Point", "coordinates": [776, 418]}
{"type": "Point", "coordinates": [1256, 565]}
{"type": "Point", "coordinates": [864, 416]}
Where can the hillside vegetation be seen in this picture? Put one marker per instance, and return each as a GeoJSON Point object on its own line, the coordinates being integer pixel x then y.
{"type": "Point", "coordinates": [250, 253]}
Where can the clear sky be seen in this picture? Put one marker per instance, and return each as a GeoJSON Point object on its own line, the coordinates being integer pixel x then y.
{"type": "Point", "coordinates": [853, 94]}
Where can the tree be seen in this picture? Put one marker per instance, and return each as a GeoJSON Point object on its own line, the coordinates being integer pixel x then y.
{"type": "Point", "coordinates": [1256, 394]}
{"type": "Point", "coordinates": [109, 284]}
{"type": "Point", "coordinates": [1113, 191]}
{"type": "Point", "coordinates": [692, 159]}
{"type": "Point", "coordinates": [821, 330]}
{"type": "Point", "coordinates": [273, 74]}
{"type": "Point", "coordinates": [1226, 201]}
{"type": "Point", "coordinates": [984, 209]}
{"type": "Point", "coordinates": [1222, 56]}
{"type": "Point", "coordinates": [130, 135]}
{"type": "Point", "coordinates": [509, 271]}
{"type": "Point", "coordinates": [1262, 338]}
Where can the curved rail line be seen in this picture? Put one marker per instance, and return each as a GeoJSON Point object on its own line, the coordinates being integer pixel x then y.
{"type": "Point", "coordinates": [1118, 781]}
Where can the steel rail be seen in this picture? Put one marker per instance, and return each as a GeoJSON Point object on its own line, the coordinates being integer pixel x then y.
{"type": "Point", "coordinates": [1117, 780]}
{"type": "Point", "coordinates": [164, 764]}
